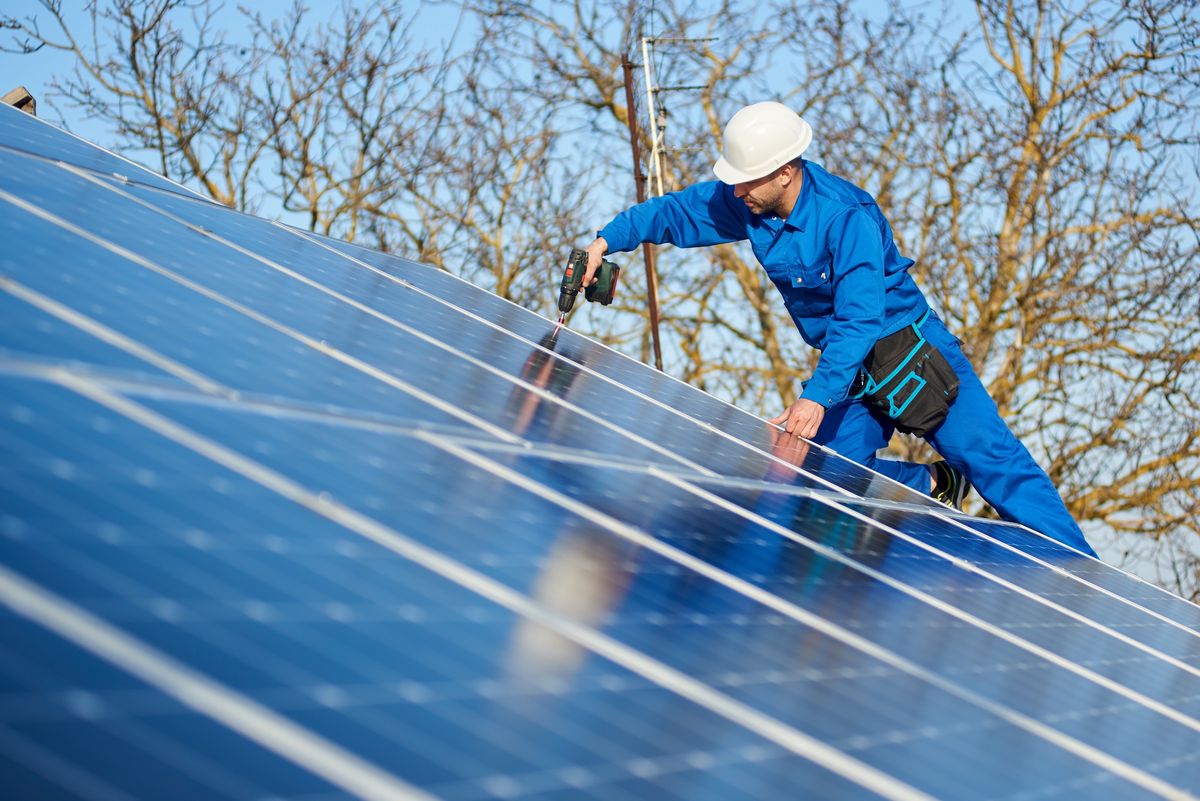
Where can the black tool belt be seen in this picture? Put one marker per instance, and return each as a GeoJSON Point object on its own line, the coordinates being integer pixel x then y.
{"type": "Point", "coordinates": [908, 379]}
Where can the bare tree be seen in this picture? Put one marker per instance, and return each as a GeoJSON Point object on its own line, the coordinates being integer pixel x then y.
{"type": "Point", "coordinates": [167, 94]}
{"type": "Point", "coordinates": [497, 196]}
{"type": "Point", "coordinates": [1060, 235]}
{"type": "Point", "coordinates": [293, 115]}
{"type": "Point", "coordinates": [332, 101]}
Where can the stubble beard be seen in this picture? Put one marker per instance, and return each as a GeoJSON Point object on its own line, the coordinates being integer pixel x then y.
{"type": "Point", "coordinates": [766, 208]}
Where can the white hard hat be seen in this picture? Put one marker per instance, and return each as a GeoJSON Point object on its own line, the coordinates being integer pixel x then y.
{"type": "Point", "coordinates": [759, 138]}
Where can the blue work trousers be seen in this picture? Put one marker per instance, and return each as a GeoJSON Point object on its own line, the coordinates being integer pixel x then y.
{"type": "Point", "coordinates": [973, 438]}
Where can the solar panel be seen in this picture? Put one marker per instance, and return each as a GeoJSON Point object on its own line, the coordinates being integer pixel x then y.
{"type": "Point", "coordinates": [286, 518]}
{"type": "Point", "coordinates": [32, 137]}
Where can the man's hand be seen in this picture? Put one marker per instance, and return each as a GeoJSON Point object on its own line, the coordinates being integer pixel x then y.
{"type": "Point", "coordinates": [595, 252]}
{"type": "Point", "coordinates": [802, 418]}
{"type": "Point", "coordinates": [787, 448]}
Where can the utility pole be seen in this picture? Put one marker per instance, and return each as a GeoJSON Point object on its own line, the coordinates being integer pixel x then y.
{"type": "Point", "coordinates": [658, 135]}
{"type": "Point", "coordinates": [639, 178]}
{"type": "Point", "coordinates": [657, 148]}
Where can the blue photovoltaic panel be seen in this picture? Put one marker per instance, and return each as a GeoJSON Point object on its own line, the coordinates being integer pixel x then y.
{"type": "Point", "coordinates": [241, 280]}
{"type": "Point", "coordinates": [1127, 586]}
{"type": "Point", "coordinates": [21, 132]}
{"type": "Point", "coordinates": [69, 717]}
{"type": "Point", "coordinates": [32, 334]}
{"type": "Point", "coordinates": [504, 544]}
{"type": "Point", "coordinates": [337, 633]}
{"type": "Point", "coordinates": [281, 517]}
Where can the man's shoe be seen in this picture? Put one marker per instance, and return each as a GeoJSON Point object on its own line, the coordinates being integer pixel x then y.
{"type": "Point", "coordinates": [950, 486]}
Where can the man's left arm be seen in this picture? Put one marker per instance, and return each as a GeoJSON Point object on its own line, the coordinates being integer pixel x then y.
{"type": "Point", "coordinates": [856, 272]}
{"type": "Point", "coordinates": [706, 213]}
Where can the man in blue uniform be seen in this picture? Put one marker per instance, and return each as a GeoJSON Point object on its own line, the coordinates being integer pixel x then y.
{"type": "Point", "coordinates": [829, 250]}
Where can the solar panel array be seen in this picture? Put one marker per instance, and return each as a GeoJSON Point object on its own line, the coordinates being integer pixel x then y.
{"type": "Point", "coordinates": [284, 518]}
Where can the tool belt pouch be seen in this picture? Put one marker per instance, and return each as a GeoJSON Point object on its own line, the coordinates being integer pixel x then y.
{"type": "Point", "coordinates": [906, 378]}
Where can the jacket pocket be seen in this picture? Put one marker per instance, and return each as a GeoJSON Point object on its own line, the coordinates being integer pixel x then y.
{"type": "Point", "coordinates": [804, 277]}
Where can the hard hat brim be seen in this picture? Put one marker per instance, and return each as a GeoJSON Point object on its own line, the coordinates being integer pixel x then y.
{"type": "Point", "coordinates": [729, 174]}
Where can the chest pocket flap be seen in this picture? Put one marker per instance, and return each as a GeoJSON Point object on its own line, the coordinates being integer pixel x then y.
{"type": "Point", "coordinates": [804, 276]}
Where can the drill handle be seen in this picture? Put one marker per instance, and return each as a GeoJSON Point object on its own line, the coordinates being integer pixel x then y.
{"type": "Point", "coordinates": [572, 280]}
{"type": "Point", "coordinates": [576, 269]}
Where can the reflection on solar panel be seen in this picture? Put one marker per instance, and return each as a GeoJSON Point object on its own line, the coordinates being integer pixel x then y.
{"type": "Point", "coordinates": [283, 518]}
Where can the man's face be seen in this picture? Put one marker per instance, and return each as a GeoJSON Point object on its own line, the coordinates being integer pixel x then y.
{"type": "Point", "coordinates": [762, 195]}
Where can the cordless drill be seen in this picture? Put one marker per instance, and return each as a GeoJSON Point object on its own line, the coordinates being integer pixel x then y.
{"type": "Point", "coordinates": [600, 292]}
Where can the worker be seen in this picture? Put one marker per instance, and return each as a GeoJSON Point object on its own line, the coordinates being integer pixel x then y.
{"type": "Point", "coordinates": [887, 360]}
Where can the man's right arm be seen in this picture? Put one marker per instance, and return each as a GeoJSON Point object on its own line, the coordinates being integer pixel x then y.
{"type": "Point", "coordinates": [703, 214]}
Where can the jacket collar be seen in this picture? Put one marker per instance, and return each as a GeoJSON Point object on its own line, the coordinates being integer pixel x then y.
{"type": "Point", "coordinates": [802, 212]}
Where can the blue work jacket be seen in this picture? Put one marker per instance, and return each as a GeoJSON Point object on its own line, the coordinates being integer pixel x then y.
{"type": "Point", "coordinates": [833, 259]}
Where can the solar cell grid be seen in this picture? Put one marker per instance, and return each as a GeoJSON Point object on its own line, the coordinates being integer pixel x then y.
{"type": "Point", "coordinates": [1034, 619]}
{"type": "Point", "coordinates": [310, 312]}
{"type": "Point", "coordinates": [205, 342]}
{"type": "Point", "coordinates": [1141, 592]}
{"type": "Point", "coordinates": [34, 335]}
{"type": "Point", "coordinates": [266, 617]}
{"type": "Point", "coordinates": [836, 591]}
{"type": "Point", "coordinates": [68, 717]}
{"type": "Point", "coordinates": [19, 132]}
{"type": "Point", "coordinates": [487, 536]}
{"type": "Point", "coordinates": [1060, 589]}
{"type": "Point", "coordinates": [404, 544]}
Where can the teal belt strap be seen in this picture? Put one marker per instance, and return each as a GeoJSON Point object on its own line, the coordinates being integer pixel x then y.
{"type": "Point", "coordinates": [873, 385]}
